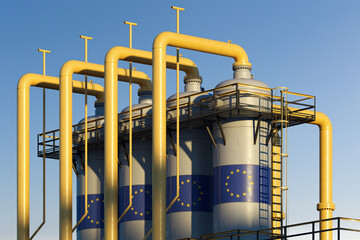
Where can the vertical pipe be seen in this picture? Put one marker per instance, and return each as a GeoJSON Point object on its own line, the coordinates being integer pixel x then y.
{"type": "Point", "coordinates": [111, 151]}
{"type": "Point", "coordinates": [23, 176]}
{"type": "Point", "coordinates": [65, 193]}
{"type": "Point", "coordinates": [159, 145]}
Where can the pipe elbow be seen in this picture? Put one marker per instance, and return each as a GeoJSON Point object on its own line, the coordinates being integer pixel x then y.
{"type": "Point", "coordinates": [162, 39]}
{"type": "Point", "coordinates": [241, 57]}
{"type": "Point", "coordinates": [25, 81]}
{"type": "Point", "coordinates": [323, 121]}
{"type": "Point", "coordinates": [113, 54]}
{"type": "Point", "coordinates": [69, 67]}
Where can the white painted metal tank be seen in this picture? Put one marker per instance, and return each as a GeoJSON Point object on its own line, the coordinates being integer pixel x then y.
{"type": "Point", "coordinates": [137, 221]}
{"type": "Point", "coordinates": [241, 167]}
{"type": "Point", "coordinates": [92, 227]}
{"type": "Point", "coordinates": [191, 214]}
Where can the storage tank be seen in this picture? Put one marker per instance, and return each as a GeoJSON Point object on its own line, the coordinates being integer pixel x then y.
{"type": "Point", "coordinates": [92, 227]}
{"type": "Point", "coordinates": [242, 160]}
{"type": "Point", "coordinates": [191, 215]}
{"type": "Point", "coordinates": [137, 221]}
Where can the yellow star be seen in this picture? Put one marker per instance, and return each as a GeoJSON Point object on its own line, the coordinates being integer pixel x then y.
{"type": "Point", "coordinates": [244, 172]}
{"type": "Point", "coordinates": [249, 189]}
{"type": "Point", "coordinates": [188, 205]}
{"type": "Point", "coordinates": [231, 172]}
{"type": "Point", "coordinates": [182, 182]}
{"type": "Point", "coordinates": [135, 213]}
{"type": "Point", "coordinates": [97, 222]}
{"type": "Point", "coordinates": [227, 190]}
{"type": "Point", "coordinates": [97, 199]}
{"type": "Point", "coordinates": [188, 180]}
{"type": "Point", "coordinates": [249, 176]}
{"type": "Point", "coordinates": [237, 195]}
{"type": "Point", "coordinates": [88, 205]}
{"type": "Point", "coordinates": [199, 199]}
{"type": "Point", "coordinates": [194, 203]}
{"type": "Point", "coordinates": [201, 193]}
{"type": "Point", "coordinates": [182, 204]}
{"type": "Point", "coordinates": [92, 201]}
{"type": "Point", "coordinates": [88, 217]}
{"type": "Point", "coordinates": [244, 194]}
{"type": "Point", "coordinates": [92, 221]}
{"type": "Point", "coordinates": [231, 194]}
{"type": "Point", "coordinates": [135, 192]}
{"type": "Point", "coordinates": [226, 184]}
{"type": "Point", "coordinates": [194, 182]}
{"type": "Point", "coordinates": [252, 183]}
{"type": "Point", "coordinates": [141, 190]}
{"type": "Point", "coordinates": [147, 212]}
{"type": "Point", "coordinates": [147, 192]}
{"type": "Point", "coordinates": [178, 199]}
{"type": "Point", "coordinates": [199, 187]}
{"type": "Point", "coordinates": [141, 214]}
{"type": "Point", "coordinates": [227, 177]}
{"type": "Point", "coordinates": [237, 170]}
{"type": "Point", "coordinates": [132, 209]}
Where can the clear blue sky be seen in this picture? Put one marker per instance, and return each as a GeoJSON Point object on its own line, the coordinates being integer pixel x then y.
{"type": "Point", "coordinates": [308, 46]}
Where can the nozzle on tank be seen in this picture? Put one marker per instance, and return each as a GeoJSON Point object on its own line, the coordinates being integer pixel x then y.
{"type": "Point", "coordinates": [192, 84]}
{"type": "Point", "coordinates": [242, 71]}
{"type": "Point", "coordinates": [145, 97]}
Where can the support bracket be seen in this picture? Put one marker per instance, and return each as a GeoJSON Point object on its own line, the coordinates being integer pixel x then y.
{"type": "Point", "coordinates": [171, 140]}
{"type": "Point", "coordinates": [221, 130]}
{"type": "Point", "coordinates": [257, 129]}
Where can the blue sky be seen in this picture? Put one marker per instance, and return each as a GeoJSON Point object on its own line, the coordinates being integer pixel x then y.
{"type": "Point", "coordinates": [311, 47]}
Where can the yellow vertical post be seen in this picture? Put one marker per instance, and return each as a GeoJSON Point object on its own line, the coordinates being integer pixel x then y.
{"type": "Point", "coordinates": [178, 9]}
{"type": "Point", "coordinates": [44, 152]}
{"type": "Point", "coordinates": [86, 138]}
{"type": "Point", "coordinates": [130, 124]}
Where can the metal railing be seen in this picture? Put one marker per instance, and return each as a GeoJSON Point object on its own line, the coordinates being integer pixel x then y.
{"type": "Point", "coordinates": [195, 110]}
{"type": "Point", "coordinates": [307, 230]}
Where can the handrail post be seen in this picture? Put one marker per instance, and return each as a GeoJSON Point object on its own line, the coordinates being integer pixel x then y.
{"type": "Point", "coordinates": [313, 230]}
{"type": "Point", "coordinates": [338, 228]}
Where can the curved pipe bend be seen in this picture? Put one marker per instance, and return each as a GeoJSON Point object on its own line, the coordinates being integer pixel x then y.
{"type": "Point", "coordinates": [145, 57]}
{"type": "Point", "coordinates": [97, 70]}
{"type": "Point", "coordinates": [165, 39]}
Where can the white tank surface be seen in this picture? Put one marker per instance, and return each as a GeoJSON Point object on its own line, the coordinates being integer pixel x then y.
{"type": "Point", "coordinates": [241, 167]}
{"type": "Point", "coordinates": [92, 227]}
{"type": "Point", "coordinates": [191, 214]}
{"type": "Point", "coordinates": [137, 221]}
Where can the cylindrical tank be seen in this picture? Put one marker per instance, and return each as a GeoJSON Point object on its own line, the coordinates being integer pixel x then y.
{"type": "Point", "coordinates": [241, 167]}
{"type": "Point", "coordinates": [137, 221]}
{"type": "Point", "coordinates": [191, 215]}
{"type": "Point", "coordinates": [92, 227]}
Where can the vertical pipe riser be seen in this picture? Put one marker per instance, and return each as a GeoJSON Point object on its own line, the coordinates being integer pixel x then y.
{"type": "Point", "coordinates": [23, 173]}
{"type": "Point", "coordinates": [65, 157]}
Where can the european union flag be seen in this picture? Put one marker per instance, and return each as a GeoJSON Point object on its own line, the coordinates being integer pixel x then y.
{"type": "Point", "coordinates": [141, 208]}
{"type": "Point", "coordinates": [95, 216]}
{"type": "Point", "coordinates": [242, 183]}
{"type": "Point", "coordinates": [195, 193]}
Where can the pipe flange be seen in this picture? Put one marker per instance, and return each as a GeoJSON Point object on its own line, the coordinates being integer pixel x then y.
{"type": "Point", "coordinates": [197, 79]}
{"type": "Point", "coordinates": [238, 67]}
{"type": "Point", "coordinates": [325, 206]}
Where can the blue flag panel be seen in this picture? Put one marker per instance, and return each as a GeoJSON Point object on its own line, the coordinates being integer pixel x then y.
{"type": "Point", "coordinates": [242, 183]}
{"type": "Point", "coordinates": [95, 216]}
{"type": "Point", "coordinates": [141, 208]}
{"type": "Point", "coordinates": [195, 193]}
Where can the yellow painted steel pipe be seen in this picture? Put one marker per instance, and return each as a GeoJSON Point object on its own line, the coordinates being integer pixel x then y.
{"type": "Point", "coordinates": [23, 156]}
{"type": "Point", "coordinates": [66, 72]}
{"type": "Point", "coordinates": [159, 110]}
{"type": "Point", "coordinates": [111, 127]}
{"type": "Point", "coordinates": [325, 206]}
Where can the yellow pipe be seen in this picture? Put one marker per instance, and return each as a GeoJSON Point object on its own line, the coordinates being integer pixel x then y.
{"type": "Point", "coordinates": [66, 72]}
{"type": "Point", "coordinates": [325, 206]}
{"type": "Point", "coordinates": [159, 110]}
{"type": "Point", "coordinates": [111, 128]}
{"type": "Point", "coordinates": [145, 57]}
{"type": "Point", "coordinates": [23, 172]}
